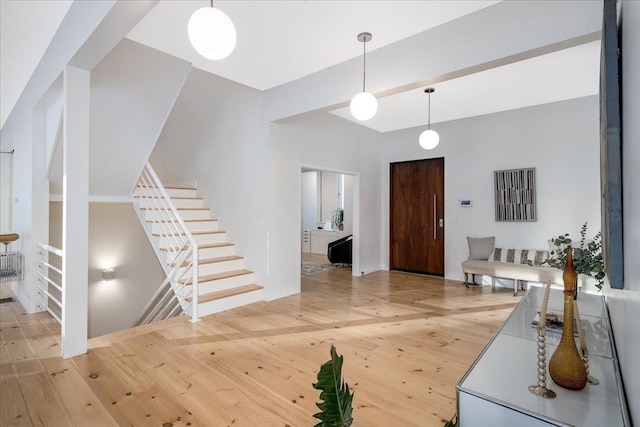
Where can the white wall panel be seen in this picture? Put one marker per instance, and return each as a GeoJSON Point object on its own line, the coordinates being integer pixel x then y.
{"type": "Point", "coordinates": [328, 143]}
{"type": "Point", "coordinates": [560, 140]}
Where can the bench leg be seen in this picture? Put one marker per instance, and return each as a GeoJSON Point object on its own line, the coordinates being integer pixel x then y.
{"type": "Point", "coordinates": [516, 283]}
{"type": "Point", "coordinates": [466, 279]}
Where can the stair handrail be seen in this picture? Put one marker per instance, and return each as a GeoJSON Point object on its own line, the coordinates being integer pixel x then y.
{"type": "Point", "coordinates": [182, 230]}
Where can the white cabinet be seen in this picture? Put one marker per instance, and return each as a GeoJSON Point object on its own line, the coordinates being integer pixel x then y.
{"type": "Point", "coordinates": [306, 241]}
{"type": "Point", "coordinates": [495, 388]}
{"type": "Point", "coordinates": [320, 239]}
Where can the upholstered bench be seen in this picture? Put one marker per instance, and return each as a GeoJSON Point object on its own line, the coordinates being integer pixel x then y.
{"type": "Point", "coordinates": [512, 264]}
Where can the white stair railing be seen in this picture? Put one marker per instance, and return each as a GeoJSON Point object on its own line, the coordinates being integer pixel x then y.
{"type": "Point", "coordinates": [172, 296]}
{"type": "Point", "coordinates": [50, 280]}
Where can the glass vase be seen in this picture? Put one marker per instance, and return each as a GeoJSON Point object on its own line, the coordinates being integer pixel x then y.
{"type": "Point", "coordinates": [566, 367]}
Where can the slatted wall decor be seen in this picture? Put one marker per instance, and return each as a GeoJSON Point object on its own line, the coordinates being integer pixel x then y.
{"type": "Point", "coordinates": [515, 194]}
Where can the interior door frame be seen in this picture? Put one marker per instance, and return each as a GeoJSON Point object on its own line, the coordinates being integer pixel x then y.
{"type": "Point", "coordinates": [355, 265]}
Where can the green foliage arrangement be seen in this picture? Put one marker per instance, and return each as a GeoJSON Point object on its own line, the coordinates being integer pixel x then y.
{"type": "Point", "coordinates": [587, 256]}
{"type": "Point", "coordinates": [336, 406]}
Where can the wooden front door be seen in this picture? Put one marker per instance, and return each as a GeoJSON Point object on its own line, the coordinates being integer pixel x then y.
{"type": "Point", "coordinates": [417, 216]}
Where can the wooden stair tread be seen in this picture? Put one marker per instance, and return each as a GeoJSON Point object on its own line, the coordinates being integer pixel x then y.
{"type": "Point", "coordinates": [212, 260]}
{"type": "Point", "coordinates": [204, 246]}
{"type": "Point", "coordinates": [212, 296]}
{"type": "Point", "coordinates": [178, 209]}
{"type": "Point", "coordinates": [184, 220]}
{"type": "Point", "coordinates": [172, 198]}
{"type": "Point", "coordinates": [218, 276]}
{"type": "Point", "coordinates": [167, 186]}
{"type": "Point", "coordinates": [193, 233]}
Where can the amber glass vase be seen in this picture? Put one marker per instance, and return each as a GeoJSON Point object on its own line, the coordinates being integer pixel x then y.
{"type": "Point", "coordinates": [566, 367]}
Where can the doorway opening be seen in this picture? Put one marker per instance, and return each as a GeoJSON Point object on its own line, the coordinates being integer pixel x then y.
{"type": "Point", "coordinates": [327, 220]}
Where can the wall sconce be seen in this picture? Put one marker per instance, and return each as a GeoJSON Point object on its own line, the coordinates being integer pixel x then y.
{"type": "Point", "coordinates": [108, 274]}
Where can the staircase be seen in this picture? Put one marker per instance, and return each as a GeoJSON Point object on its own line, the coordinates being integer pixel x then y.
{"type": "Point", "coordinates": [204, 274]}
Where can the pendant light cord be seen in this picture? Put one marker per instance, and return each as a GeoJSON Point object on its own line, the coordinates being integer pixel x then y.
{"type": "Point", "coordinates": [429, 113]}
{"type": "Point", "coordinates": [364, 60]}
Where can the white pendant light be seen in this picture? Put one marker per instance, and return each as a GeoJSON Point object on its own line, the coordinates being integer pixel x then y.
{"type": "Point", "coordinates": [429, 139]}
{"type": "Point", "coordinates": [211, 33]}
{"type": "Point", "coordinates": [364, 105]}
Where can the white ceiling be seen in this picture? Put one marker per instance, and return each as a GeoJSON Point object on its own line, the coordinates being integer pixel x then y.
{"type": "Point", "coordinates": [280, 41]}
{"type": "Point", "coordinates": [565, 74]}
{"type": "Point", "coordinates": [26, 29]}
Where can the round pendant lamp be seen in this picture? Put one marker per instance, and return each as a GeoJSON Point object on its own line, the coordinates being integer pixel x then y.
{"type": "Point", "coordinates": [429, 139]}
{"type": "Point", "coordinates": [364, 105]}
{"type": "Point", "coordinates": [211, 33]}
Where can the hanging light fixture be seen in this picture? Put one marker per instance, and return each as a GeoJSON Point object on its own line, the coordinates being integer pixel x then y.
{"type": "Point", "coordinates": [211, 33]}
{"type": "Point", "coordinates": [364, 105]}
{"type": "Point", "coordinates": [429, 138]}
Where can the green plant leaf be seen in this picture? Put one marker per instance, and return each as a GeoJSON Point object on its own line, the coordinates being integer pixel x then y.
{"type": "Point", "coordinates": [335, 395]}
{"type": "Point", "coordinates": [587, 257]}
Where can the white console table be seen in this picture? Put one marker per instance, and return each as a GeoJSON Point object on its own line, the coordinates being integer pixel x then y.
{"type": "Point", "coordinates": [317, 241]}
{"type": "Point", "coordinates": [494, 392]}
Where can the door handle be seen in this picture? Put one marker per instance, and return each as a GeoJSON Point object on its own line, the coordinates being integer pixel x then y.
{"type": "Point", "coordinates": [441, 222]}
{"type": "Point", "coordinates": [435, 228]}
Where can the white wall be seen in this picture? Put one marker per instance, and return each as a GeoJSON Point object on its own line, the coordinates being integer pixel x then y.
{"type": "Point", "coordinates": [54, 128]}
{"type": "Point", "coordinates": [6, 162]}
{"type": "Point", "coordinates": [133, 90]}
{"type": "Point", "coordinates": [215, 136]}
{"type": "Point", "coordinates": [348, 204]}
{"type": "Point", "coordinates": [116, 240]}
{"type": "Point", "coordinates": [624, 305]}
{"type": "Point", "coordinates": [561, 140]}
{"type": "Point", "coordinates": [329, 143]}
{"type": "Point", "coordinates": [329, 194]}
{"type": "Point", "coordinates": [132, 93]}
{"type": "Point", "coordinates": [309, 200]}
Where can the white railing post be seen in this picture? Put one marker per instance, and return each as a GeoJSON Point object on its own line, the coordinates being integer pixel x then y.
{"type": "Point", "coordinates": [44, 281]}
{"type": "Point", "coordinates": [180, 244]}
{"type": "Point", "coordinates": [194, 286]}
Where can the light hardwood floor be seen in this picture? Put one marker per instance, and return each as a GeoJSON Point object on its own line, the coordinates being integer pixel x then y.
{"type": "Point", "coordinates": [406, 340]}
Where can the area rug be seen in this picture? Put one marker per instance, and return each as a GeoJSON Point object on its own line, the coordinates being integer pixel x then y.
{"type": "Point", "coordinates": [314, 267]}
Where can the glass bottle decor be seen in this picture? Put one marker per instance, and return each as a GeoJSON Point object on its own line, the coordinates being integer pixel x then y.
{"type": "Point", "coordinates": [566, 367]}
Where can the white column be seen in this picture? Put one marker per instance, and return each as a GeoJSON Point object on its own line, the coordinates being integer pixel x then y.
{"type": "Point", "coordinates": [75, 211]}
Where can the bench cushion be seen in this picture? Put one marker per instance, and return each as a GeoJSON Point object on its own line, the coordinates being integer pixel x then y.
{"type": "Point", "coordinates": [506, 270]}
{"type": "Point", "coordinates": [518, 256]}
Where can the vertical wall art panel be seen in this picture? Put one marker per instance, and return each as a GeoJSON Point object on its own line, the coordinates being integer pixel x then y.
{"type": "Point", "coordinates": [515, 192]}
